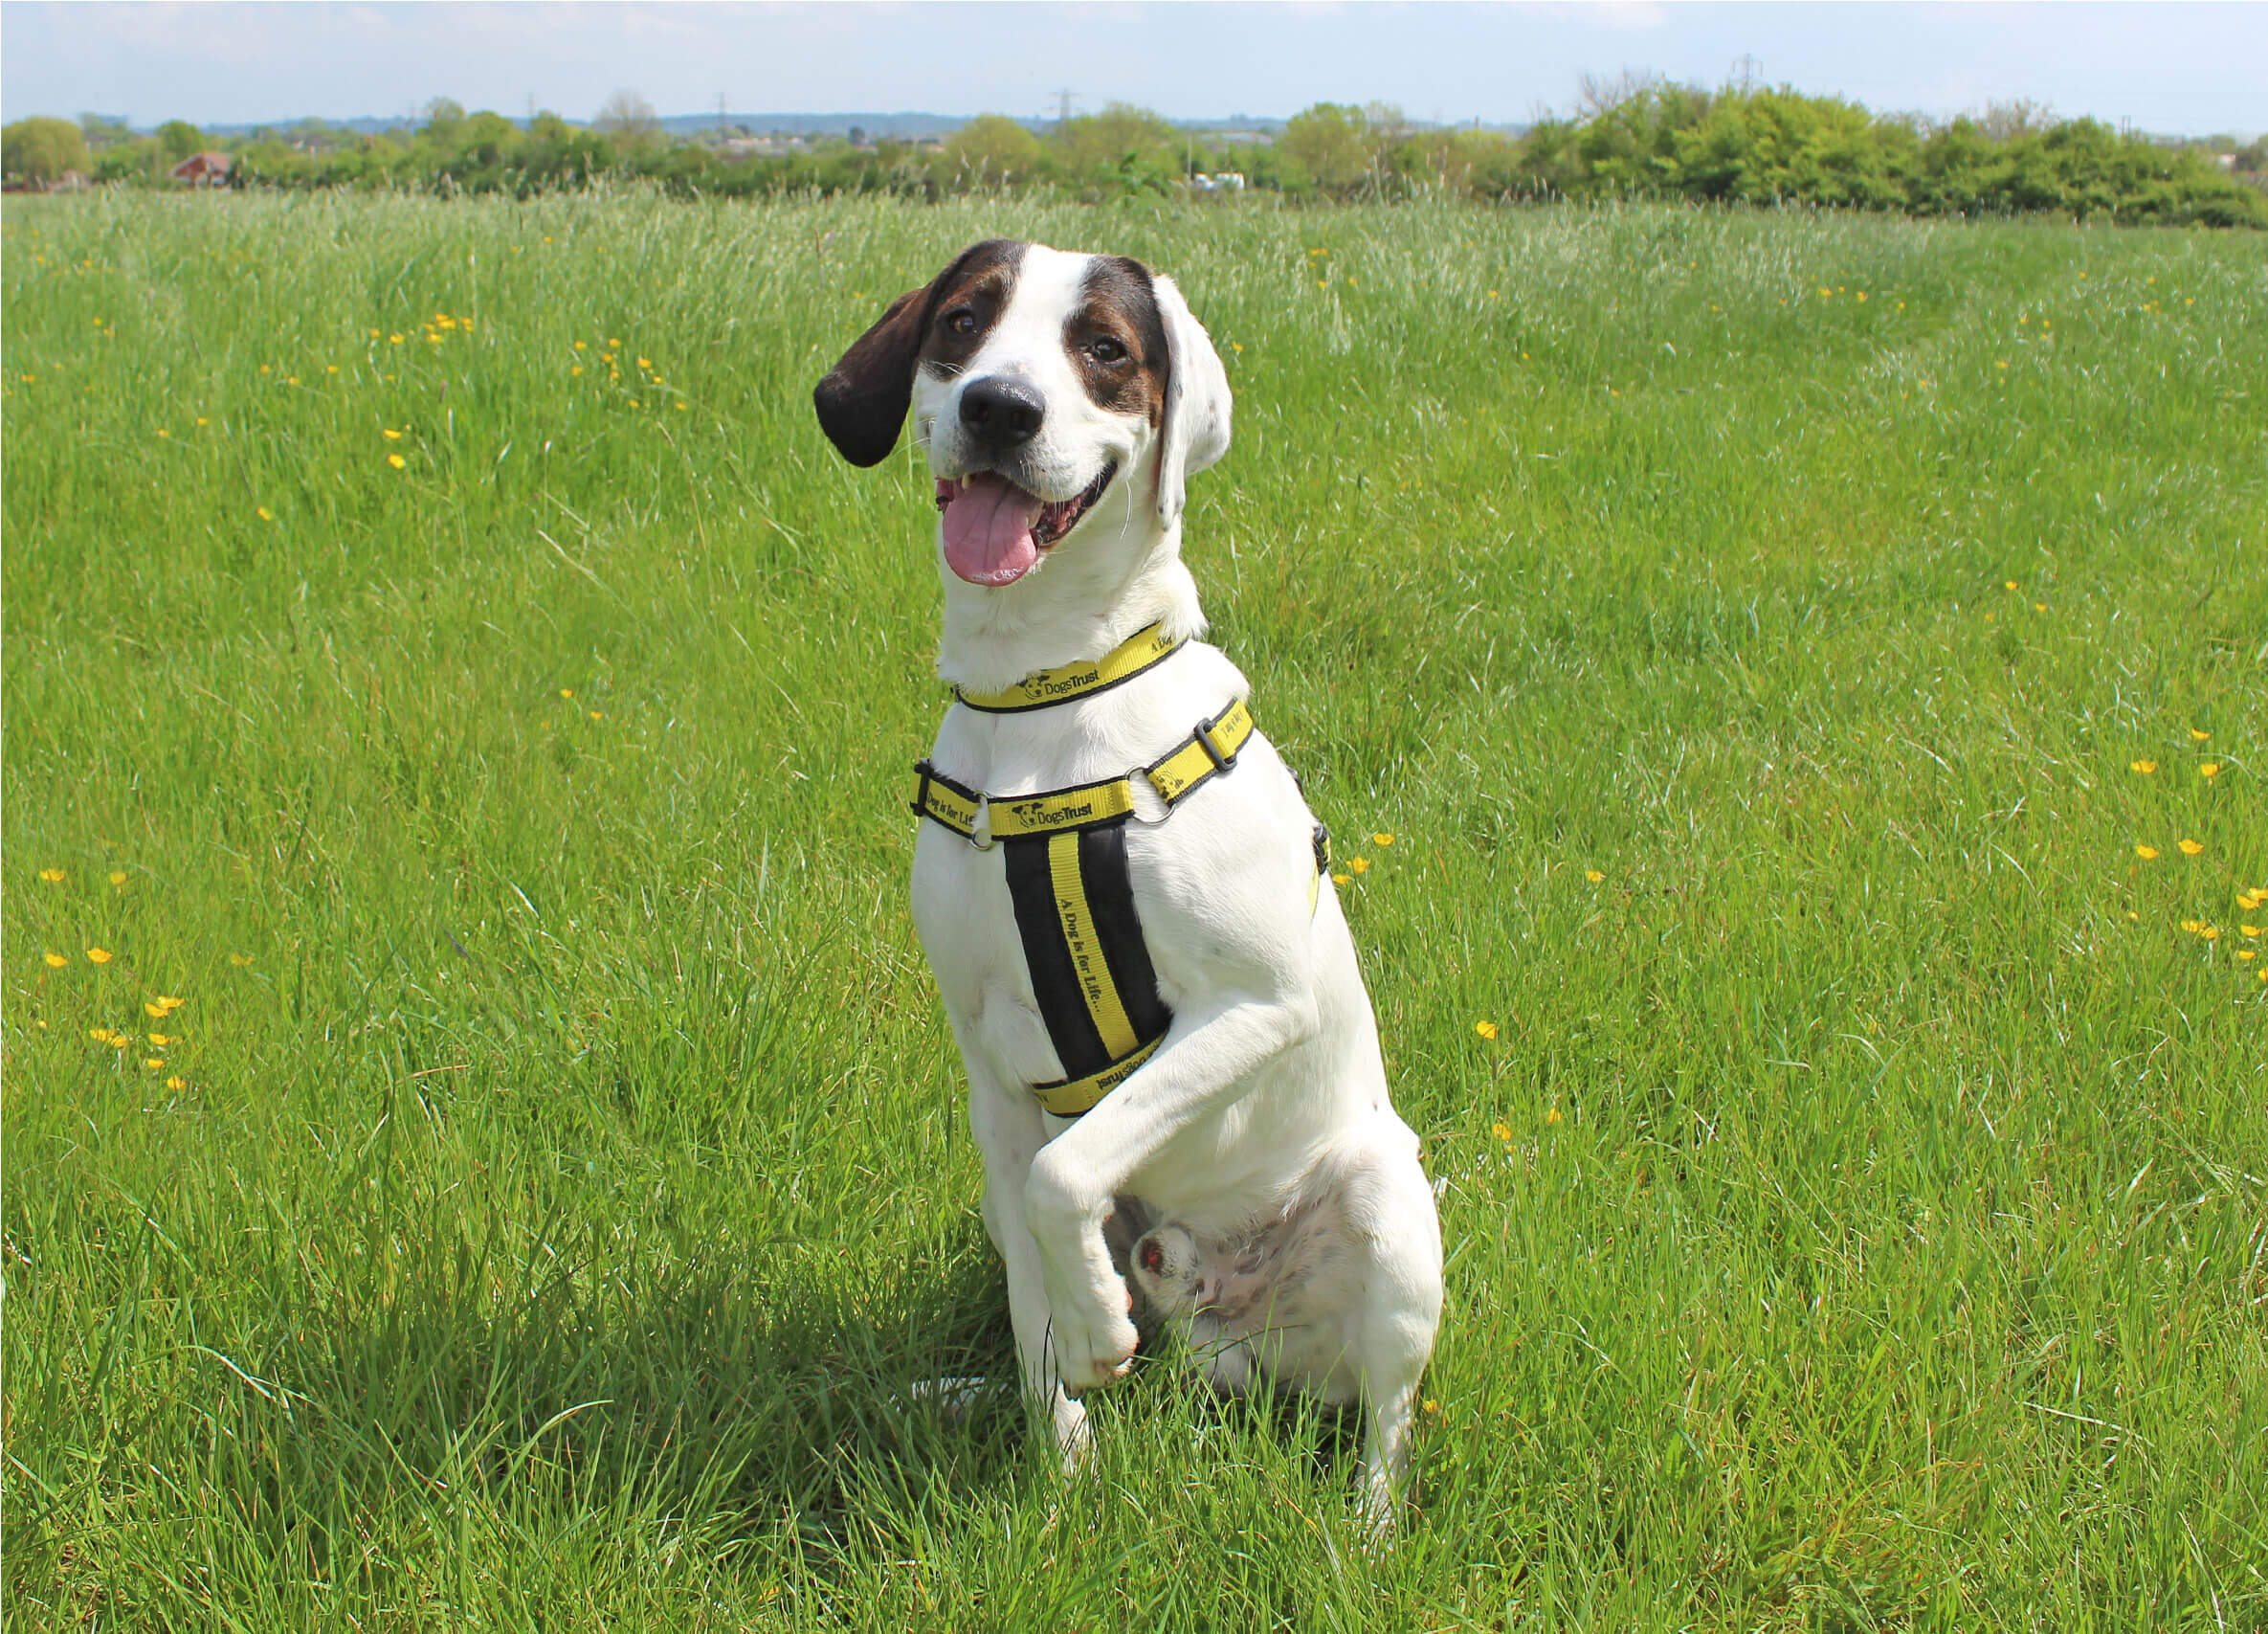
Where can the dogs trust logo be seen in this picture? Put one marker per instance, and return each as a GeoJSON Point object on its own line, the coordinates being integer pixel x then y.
{"type": "Point", "coordinates": [1039, 688]}
{"type": "Point", "coordinates": [1044, 813]}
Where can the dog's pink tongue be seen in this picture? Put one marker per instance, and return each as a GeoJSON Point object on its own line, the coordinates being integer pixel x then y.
{"type": "Point", "coordinates": [987, 529]}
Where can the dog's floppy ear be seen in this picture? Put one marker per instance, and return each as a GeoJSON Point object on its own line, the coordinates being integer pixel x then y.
{"type": "Point", "coordinates": [862, 401]}
{"type": "Point", "coordinates": [1196, 428]}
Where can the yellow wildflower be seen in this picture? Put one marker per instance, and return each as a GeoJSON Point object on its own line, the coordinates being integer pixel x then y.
{"type": "Point", "coordinates": [396, 461]}
{"type": "Point", "coordinates": [2190, 848]}
{"type": "Point", "coordinates": [57, 960]}
{"type": "Point", "coordinates": [2144, 767]}
{"type": "Point", "coordinates": [53, 876]}
{"type": "Point", "coordinates": [579, 346]}
{"type": "Point", "coordinates": [1430, 1406]}
{"type": "Point", "coordinates": [1593, 875]}
{"type": "Point", "coordinates": [153, 1061]}
{"type": "Point", "coordinates": [263, 513]}
{"type": "Point", "coordinates": [98, 955]}
{"type": "Point", "coordinates": [118, 876]}
{"type": "Point", "coordinates": [239, 960]}
{"type": "Point", "coordinates": [389, 433]}
{"type": "Point", "coordinates": [2249, 929]}
{"type": "Point", "coordinates": [177, 1083]}
{"type": "Point", "coordinates": [1553, 1117]}
{"type": "Point", "coordinates": [168, 1004]}
{"type": "Point", "coordinates": [1360, 864]}
{"type": "Point", "coordinates": [1486, 1029]}
{"type": "Point", "coordinates": [1501, 1129]}
{"type": "Point", "coordinates": [1382, 840]}
{"type": "Point", "coordinates": [2210, 769]}
{"type": "Point", "coordinates": [567, 693]}
{"type": "Point", "coordinates": [2196, 736]}
{"type": "Point", "coordinates": [161, 1040]}
{"type": "Point", "coordinates": [2007, 584]}
{"type": "Point", "coordinates": [2147, 853]}
{"type": "Point", "coordinates": [1343, 879]}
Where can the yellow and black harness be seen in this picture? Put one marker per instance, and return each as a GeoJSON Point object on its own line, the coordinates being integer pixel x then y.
{"type": "Point", "coordinates": [1065, 852]}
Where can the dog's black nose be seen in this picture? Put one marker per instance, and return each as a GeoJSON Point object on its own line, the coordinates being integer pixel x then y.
{"type": "Point", "coordinates": [1001, 413]}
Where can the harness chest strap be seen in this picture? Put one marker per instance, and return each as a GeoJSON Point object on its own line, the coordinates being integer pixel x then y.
{"type": "Point", "coordinates": [1203, 755]}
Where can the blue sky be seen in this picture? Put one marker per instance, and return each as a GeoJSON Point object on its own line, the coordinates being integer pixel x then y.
{"type": "Point", "coordinates": [2174, 67]}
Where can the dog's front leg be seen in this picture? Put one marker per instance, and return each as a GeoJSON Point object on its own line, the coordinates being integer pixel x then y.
{"type": "Point", "coordinates": [1008, 1131]}
{"type": "Point", "coordinates": [1073, 1180]}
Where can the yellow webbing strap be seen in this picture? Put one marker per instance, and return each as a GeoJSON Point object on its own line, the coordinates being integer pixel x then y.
{"type": "Point", "coordinates": [1069, 1097]}
{"type": "Point", "coordinates": [1212, 748]}
{"type": "Point", "coordinates": [1082, 941]}
{"type": "Point", "coordinates": [1137, 652]}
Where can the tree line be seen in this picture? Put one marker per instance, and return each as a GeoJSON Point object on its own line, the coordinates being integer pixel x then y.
{"type": "Point", "coordinates": [1633, 140]}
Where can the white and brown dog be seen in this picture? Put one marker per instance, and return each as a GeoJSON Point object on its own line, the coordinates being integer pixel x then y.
{"type": "Point", "coordinates": [1063, 402]}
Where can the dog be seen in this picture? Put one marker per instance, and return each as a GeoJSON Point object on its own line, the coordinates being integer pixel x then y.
{"type": "Point", "coordinates": [1120, 891]}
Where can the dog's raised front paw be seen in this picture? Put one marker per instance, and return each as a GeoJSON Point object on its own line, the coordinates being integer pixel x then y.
{"type": "Point", "coordinates": [1093, 1337]}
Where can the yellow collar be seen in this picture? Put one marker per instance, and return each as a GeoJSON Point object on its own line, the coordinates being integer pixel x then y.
{"type": "Point", "coordinates": [1142, 650]}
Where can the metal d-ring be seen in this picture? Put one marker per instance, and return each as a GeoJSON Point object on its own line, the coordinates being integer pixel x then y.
{"type": "Point", "coordinates": [982, 818]}
{"type": "Point", "coordinates": [1143, 773]}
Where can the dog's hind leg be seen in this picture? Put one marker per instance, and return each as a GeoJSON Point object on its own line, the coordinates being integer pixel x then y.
{"type": "Point", "coordinates": [1390, 1205]}
{"type": "Point", "coordinates": [1009, 1133]}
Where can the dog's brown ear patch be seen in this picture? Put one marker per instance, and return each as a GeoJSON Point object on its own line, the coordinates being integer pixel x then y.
{"type": "Point", "coordinates": [863, 399]}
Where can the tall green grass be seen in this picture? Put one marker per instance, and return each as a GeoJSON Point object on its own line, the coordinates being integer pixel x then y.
{"type": "Point", "coordinates": [1745, 626]}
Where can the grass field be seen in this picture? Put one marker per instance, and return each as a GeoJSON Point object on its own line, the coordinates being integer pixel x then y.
{"type": "Point", "coordinates": [1811, 669]}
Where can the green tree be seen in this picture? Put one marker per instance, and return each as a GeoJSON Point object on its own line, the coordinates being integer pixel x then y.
{"type": "Point", "coordinates": [444, 121]}
{"type": "Point", "coordinates": [1330, 143]}
{"type": "Point", "coordinates": [177, 139]}
{"type": "Point", "coordinates": [37, 152]}
{"type": "Point", "coordinates": [101, 130]}
{"type": "Point", "coordinates": [1094, 143]}
{"type": "Point", "coordinates": [627, 120]}
{"type": "Point", "coordinates": [993, 148]}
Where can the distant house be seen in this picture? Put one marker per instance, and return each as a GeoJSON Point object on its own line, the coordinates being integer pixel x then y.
{"type": "Point", "coordinates": [207, 169]}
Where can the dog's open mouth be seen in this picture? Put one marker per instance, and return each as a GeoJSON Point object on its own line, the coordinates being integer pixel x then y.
{"type": "Point", "coordinates": [995, 530]}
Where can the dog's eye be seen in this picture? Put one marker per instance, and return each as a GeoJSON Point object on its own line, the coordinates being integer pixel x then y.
{"type": "Point", "coordinates": [1103, 350]}
{"type": "Point", "coordinates": [962, 322]}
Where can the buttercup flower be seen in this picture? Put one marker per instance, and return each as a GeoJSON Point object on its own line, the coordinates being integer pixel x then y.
{"type": "Point", "coordinates": [1593, 875]}
{"type": "Point", "coordinates": [98, 955]}
{"type": "Point", "coordinates": [1486, 1029]}
{"type": "Point", "coordinates": [57, 960]}
{"type": "Point", "coordinates": [2210, 769]}
{"type": "Point", "coordinates": [53, 876]}
{"type": "Point", "coordinates": [2147, 853]}
{"type": "Point", "coordinates": [2144, 767]}
{"type": "Point", "coordinates": [2190, 848]}
{"type": "Point", "coordinates": [1360, 864]}
{"type": "Point", "coordinates": [1382, 840]}
{"type": "Point", "coordinates": [1500, 1129]}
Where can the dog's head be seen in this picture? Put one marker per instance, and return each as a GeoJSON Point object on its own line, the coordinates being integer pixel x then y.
{"type": "Point", "coordinates": [1049, 391]}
